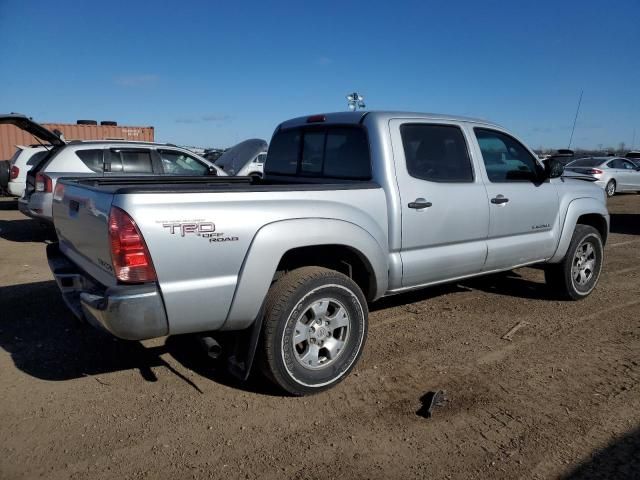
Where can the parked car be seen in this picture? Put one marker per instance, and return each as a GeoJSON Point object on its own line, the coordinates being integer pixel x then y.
{"type": "Point", "coordinates": [97, 158]}
{"type": "Point", "coordinates": [614, 174]}
{"type": "Point", "coordinates": [212, 154]}
{"type": "Point", "coordinates": [354, 206]}
{"type": "Point", "coordinates": [563, 155]}
{"type": "Point", "coordinates": [634, 156]}
{"type": "Point", "coordinates": [22, 161]}
{"type": "Point", "coordinates": [244, 159]}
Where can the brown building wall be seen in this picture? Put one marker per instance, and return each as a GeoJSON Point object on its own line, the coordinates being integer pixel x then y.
{"type": "Point", "coordinates": [11, 136]}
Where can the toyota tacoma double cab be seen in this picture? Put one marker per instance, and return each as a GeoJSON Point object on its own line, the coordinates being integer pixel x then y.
{"type": "Point", "coordinates": [353, 207]}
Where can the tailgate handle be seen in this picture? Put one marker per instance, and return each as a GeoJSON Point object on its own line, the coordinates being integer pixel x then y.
{"type": "Point", "coordinates": [74, 206]}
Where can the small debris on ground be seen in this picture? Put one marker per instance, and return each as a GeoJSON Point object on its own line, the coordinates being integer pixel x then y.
{"type": "Point", "coordinates": [514, 329]}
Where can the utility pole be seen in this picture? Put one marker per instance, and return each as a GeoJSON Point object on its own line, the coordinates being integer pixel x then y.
{"type": "Point", "coordinates": [575, 119]}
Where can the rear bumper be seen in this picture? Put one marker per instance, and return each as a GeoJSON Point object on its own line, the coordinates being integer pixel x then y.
{"type": "Point", "coordinates": [16, 188]}
{"type": "Point", "coordinates": [130, 312]}
{"type": "Point", "coordinates": [38, 206]}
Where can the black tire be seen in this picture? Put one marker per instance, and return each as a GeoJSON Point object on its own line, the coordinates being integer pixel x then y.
{"type": "Point", "coordinates": [288, 304]}
{"type": "Point", "coordinates": [610, 189]}
{"type": "Point", "coordinates": [86, 122]}
{"type": "Point", "coordinates": [560, 277]}
{"type": "Point", "coordinates": [109, 123]}
{"type": "Point", "coordinates": [5, 168]}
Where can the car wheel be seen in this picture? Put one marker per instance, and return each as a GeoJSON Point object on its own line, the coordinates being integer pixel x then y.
{"type": "Point", "coordinates": [611, 188]}
{"type": "Point", "coordinates": [315, 327]}
{"type": "Point", "coordinates": [577, 275]}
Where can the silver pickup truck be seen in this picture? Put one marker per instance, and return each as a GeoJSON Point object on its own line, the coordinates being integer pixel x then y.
{"type": "Point", "coordinates": [354, 206]}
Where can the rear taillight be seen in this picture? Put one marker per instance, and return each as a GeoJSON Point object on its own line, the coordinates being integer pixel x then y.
{"type": "Point", "coordinates": [43, 183]}
{"type": "Point", "coordinates": [58, 192]}
{"type": "Point", "coordinates": [129, 254]}
{"type": "Point", "coordinates": [14, 172]}
{"type": "Point", "coordinates": [594, 171]}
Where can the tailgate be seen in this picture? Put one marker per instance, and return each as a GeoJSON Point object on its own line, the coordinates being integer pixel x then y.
{"type": "Point", "coordinates": [80, 216]}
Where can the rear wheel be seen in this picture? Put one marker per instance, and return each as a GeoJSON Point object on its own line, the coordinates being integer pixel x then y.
{"type": "Point", "coordinates": [611, 188]}
{"type": "Point", "coordinates": [315, 328]}
{"type": "Point", "coordinates": [577, 275]}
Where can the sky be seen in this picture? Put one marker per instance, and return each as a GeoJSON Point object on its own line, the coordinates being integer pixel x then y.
{"type": "Point", "coordinates": [213, 73]}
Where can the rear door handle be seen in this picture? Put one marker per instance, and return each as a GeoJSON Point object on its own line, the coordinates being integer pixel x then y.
{"type": "Point", "coordinates": [499, 199]}
{"type": "Point", "coordinates": [419, 203]}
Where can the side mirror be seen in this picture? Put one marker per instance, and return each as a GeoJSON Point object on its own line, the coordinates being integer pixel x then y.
{"type": "Point", "coordinates": [553, 168]}
{"type": "Point", "coordinates": [212, 171]}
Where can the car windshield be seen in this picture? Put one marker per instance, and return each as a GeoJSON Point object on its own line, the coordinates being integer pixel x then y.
{"type": "Point", "coordinates": [586, 162]}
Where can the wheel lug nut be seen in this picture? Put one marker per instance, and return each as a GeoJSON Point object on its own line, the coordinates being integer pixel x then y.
{"type": "Point", "coordinates": [312, 330]}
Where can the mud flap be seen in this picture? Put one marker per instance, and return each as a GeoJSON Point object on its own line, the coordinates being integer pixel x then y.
{"type": "Point", "coordinates": [245, 345]}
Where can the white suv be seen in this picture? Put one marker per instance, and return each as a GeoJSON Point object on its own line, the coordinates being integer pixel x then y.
{"type": "Point", "coordinates": [96, 158]}
{"type": "Point", "coordinates": [22, 161]}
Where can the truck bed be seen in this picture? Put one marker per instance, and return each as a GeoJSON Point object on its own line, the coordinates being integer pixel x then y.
{"type": "Point", "coordinates": [198, 271]}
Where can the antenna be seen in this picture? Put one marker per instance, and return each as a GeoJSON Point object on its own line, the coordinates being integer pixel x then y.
{"type": "Point", "coordinates": [355, 101]}
{"type": "Point", "coordinates": [575, 119]}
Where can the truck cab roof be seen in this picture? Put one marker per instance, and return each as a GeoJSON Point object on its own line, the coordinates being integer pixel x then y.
{"type": "Point", "coordinates": [359, 116]}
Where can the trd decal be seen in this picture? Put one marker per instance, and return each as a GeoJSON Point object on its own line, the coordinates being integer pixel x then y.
{"type": "Point", "coordinates": [198, 228]}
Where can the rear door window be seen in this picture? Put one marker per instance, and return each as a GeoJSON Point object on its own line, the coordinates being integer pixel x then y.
{"type": "Point", "coordinates": [332, 152]}
{"type": "Point", "coordinates": [93, 159]}
{"type": "Point", "coordinates": [436, 153]}
{"type": "Point", "coordinates": [131, 161]}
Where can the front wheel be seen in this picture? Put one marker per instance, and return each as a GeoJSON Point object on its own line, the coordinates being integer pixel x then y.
{"type": "Point", "coordinates": [315, 327]}
{"type": "Point", "coordinates": [577, 275]}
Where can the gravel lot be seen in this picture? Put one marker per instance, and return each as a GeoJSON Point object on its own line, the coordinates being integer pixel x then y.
{"type": "Point", "coordinates": [561, 399]}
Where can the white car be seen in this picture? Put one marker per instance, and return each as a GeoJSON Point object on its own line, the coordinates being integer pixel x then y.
{"type": "Point", "coordinates": [22, 161]}
{"type": "Point", "coordinates": [244, 159]}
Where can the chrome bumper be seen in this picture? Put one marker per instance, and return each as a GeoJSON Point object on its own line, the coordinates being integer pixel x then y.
{"type": "Point", "coordinates": [130, 312]}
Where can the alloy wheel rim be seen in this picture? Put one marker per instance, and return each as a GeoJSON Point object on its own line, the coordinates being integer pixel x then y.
{"type": "Point", "coordinates": [611, 189]}
{"type": "Point", "coordinates": [320, 333]}
{"type": "Point", "coordinates": [584, 264]}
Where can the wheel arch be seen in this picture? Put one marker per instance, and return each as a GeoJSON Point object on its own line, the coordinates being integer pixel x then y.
{"type": "Point", "coordinates": [288, 244]}
{"type": "Point", "coordinates": [586, 211]}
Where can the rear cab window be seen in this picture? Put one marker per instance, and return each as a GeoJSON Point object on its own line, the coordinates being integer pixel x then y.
{"type": "Point", "coordinates": [332, 152]}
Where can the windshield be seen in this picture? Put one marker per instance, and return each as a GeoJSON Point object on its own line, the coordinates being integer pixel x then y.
{"type": "Point", "coordinates": [586, 162]}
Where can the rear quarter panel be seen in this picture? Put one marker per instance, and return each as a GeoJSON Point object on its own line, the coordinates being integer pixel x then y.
{"type": "Point", "coordinates": [198, 271]}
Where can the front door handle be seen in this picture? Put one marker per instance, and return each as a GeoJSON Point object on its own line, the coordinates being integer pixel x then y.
{"type": "Point", "coordinates": [499, 199]}
{"type": "Point", "coordinates": [419, 203]}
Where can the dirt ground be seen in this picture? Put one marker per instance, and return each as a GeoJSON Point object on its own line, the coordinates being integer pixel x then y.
{"type": "Point", "coordinates": [562, 399]}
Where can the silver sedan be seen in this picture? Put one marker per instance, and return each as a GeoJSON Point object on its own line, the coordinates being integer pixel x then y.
{"type": "Point", "coordinates": [614, 174]}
